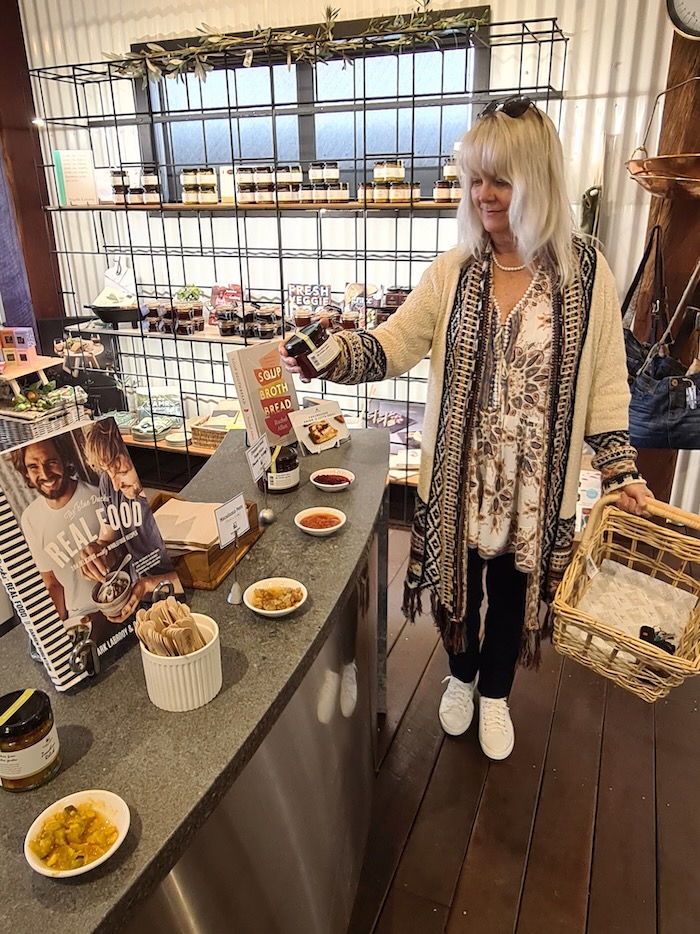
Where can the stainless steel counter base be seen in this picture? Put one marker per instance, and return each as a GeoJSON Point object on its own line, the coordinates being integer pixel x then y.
{"type": "Point", "coordinates": [282, 852]}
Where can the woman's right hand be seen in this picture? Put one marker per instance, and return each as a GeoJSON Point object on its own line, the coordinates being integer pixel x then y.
{"type": "Point", "coordinates": [290, 363]}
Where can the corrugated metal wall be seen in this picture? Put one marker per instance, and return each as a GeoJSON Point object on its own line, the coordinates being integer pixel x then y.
{"type": "Point", "coordinates": [617, 63]}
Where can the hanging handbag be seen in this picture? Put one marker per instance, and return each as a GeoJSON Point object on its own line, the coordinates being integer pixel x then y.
{"type": "Point", "coordinates": [665, 401]}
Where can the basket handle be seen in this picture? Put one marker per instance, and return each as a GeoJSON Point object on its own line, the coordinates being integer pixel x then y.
{"type": "Point", "coordinates": [654, 506]}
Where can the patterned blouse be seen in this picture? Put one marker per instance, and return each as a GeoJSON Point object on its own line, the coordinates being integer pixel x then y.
{"type": "Point", "coordinates": [508, 457]}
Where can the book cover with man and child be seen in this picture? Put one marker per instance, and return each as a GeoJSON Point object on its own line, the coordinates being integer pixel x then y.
{"type": "Point", "coordinates": [80, 551]}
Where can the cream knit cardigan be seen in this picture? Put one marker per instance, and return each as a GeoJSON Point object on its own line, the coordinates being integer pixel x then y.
{"type": "Point", "coordinates": [602, 393]}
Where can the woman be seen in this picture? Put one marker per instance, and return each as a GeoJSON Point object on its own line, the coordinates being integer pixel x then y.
{"type": "Point", "coordinates": [527, 361]}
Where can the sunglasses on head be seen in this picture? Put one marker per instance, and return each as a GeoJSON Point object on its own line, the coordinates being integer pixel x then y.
{"type": "Point", "coordinates": [511, 107]}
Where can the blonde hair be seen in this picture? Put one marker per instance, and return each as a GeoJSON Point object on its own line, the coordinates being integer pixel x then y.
{"type": "Point", "coordinates": [525, 151]}
{"type": "Point", "coordinates": [104, 444]}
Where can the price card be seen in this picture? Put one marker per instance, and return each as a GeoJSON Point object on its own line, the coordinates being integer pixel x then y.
{"type": "Point", "coordinates": [259, 457]}
{"type": "Point", "coordinates": [231, 520]}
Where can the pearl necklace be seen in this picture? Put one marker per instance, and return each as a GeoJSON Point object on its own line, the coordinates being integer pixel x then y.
{"type": "Point", "coordinates": [507, 268]}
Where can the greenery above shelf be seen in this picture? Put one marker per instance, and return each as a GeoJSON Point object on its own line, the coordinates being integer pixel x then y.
{"type": "Point", "coordinates": [422, 27]}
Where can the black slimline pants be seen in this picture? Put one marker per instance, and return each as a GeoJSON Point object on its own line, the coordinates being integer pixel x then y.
{"type": "Point", "coordinates": [495, 659]}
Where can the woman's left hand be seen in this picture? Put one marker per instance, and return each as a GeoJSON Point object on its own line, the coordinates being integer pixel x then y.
{"type": "Point", "coordinates": [633, 498]}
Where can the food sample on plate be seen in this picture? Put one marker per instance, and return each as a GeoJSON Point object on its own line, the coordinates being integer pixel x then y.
{"type": "Point", "coordinates": [74, 837]}
{"type": "Point", "coordinates": [276, 598]}
{"type": "Point", "coordinates": [332, 479]}
{"type": "Point", "coordinates": [320, 520]}
{"type": "Point", "coordinates": [168, 629]}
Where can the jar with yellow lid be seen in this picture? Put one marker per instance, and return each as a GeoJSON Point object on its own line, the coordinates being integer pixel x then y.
{"type": "Point", "coordinates": [30, 754]}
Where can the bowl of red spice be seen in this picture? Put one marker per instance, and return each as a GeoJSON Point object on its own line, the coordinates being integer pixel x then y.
{"type": "Point", "coordinates": [332, 479]}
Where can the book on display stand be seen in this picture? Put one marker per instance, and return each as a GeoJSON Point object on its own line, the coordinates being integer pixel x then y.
{"type": "Point", "coordinates": [80, 551]}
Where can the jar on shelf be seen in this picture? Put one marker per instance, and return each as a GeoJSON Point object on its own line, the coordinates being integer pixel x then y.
{"type": "Point", "coordinates": [338, 192]}
{"type": "Point", "coordinates": [246, 329]}
{"type": "Point", "coordinates": [449, 168]}
{"type": "Point", "coordinates": [320, 194]}
{"type": "Point", "coordinates": [267, 314]}
{"type": "Point", "coordinates": [149, 176]}
{"type": "Point", "coordinates": [287, 193]}
{"type": "Point", "coordinates": [302, 317]}
{"type": "Point", "coordinates": [383, 315]}
{"type": "Point", "coordinates": [306, 193]}
{"type": "Point", "coordinates": [153, 325]}
{"type": "Point", "coordinates": [244, 174]}
{"type": "Point", "coordinates": [283, 174]}
{"type": "Point", "coordinates": [316, 172]}
{"type": "Point", "coordinates": [396, 296]}
{"type": "Point", "coordinates": [185, 328]}
{"type": "Point", "coordinates": [151, 194]}
{"type": "Point", "coordinates": [415, 191]}
{"type": "Point", "coordinates": [442, 190]}
{"type": "Point", "coordinates": [30, 753]}
{"type": "Point", "coordinates": [245, 194]}
{"type": "Point", "coordinates": [296, 176]}
{"type": "Point", "coordinates": [186, 311]}
{"type": "Point", "coordinates": [350, 320]}
{"type": "Point", "coordinates": [119, 193]}
{"type": "Point", "coordinates": [206, 176]}
{"type": "Point", "coordinates": [135, 196]}
{"type": "Point", "coordinates": [381, 192]}
{"type": "Point", "coordinates": [199, 323]}
{"type": "Point", "coordinates": [188, 178]}
{"type": "Point", "coordinates": [227, 328]}
{"type": "Point", "coordinates": [119, 178]}
{"type": "Point", "coordinates": [394, 170]}
{"type": "Point", "coordinates": [190, 194]}
{"type": "Point", "coordinates": [331, 172]}
{"type": "Point", "coordinates": [365, 192]}
{"type": "Point", "coordinates": [263, 174]}
{"type": "Point", "coordinates": [332, 314]}
{"type": "Point", "coordinates": [314, 348]}
{"type": "Point", "coordinates": [456, 191]}
{"type": "Point", "coordinates": [399, 192]}
{"type": "Point", "coordinates": [226, 313]}
{"type": "Point", "coordinates": [380, 171]}
{"type": "Point", "coordinates": [208, 194]}
{"type": "Point", "coordinates": [265, 193]}
{"type": "Point", "coordinates": [266, 331]}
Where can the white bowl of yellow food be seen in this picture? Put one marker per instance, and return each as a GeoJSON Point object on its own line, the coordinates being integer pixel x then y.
{"type": "Point", "coordinates": [275, 596]}
{"type": "Point", "coordinates": [77, 833]}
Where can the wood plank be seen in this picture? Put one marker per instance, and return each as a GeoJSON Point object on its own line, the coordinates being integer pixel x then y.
{"type": "Point", "coordinates": [405, 666]}
{"type": "Point", "coordinates": [433, 858]}
{"type": "Point", "coordinates": [395, 620]}
{"type": "Point", "coordinates": [406, 913]}
{"type": "Point", "coordinates": [559, 865]}
{"type": "Point", "coordinates": [488, 891]}
{"type": "Point", "coordinates": [678, 814]}
{"type": "Point", "coordinates": [399, 546]}
{"type": "Point", "coordinates": [623, 881]}
{"type": "Point", "coordinates": [398, 792]}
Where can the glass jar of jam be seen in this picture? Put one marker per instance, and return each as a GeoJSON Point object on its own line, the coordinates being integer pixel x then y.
{"type": "Point", "coordinates": [227, 328]}
{"type": "Point", "coordinates": [320, 193]}
{"type": "Point", "coordinates": [263, 174]}
{"type": "Point", "coordinates": [381, 192]}
{"type": "Point", "coordinates": [265, 193]}
{"type": "Point", "coordinates": [379, 171]}
{"type": "Point", "coordinates": [306, 193]}
{"type": "Point", "coordinates": [244, 175]}
{"type": "Point", "coordinates": [119, 178]}
{"type": "Point", "coordinates": [456, 191]}
{"type": "Point", "coordinates": [365, 191]}
{"type": "Point", "coordinates": [30, 754]}
{"type": "Point", "coordinates": [190, 194]}
{"type": "Point", "coordinates": [151, 194]}
{"type": "Point", "coordinates": [316, 172]}
{"type": "Point", "coordinates": [399, 191]}
{"type": "Point", "coordinates": [206, 176]}
{"type": "Point", "coordinates": [119, 193]}
{"type": "Point", "coordinates": [283, 473]}
{"type": "Point", "coordinates": [245, 194]}
{"type": "Point", "coordinates": [135, 196]}
{"type": "Point", "coordinates": [350, 320]}
{"type": "Point", "coordinates": [188, 178]}
{"type": "Point", "coordinates": [314, 348]}
{"type": "Point", "coordinates": [442, 190]}
{"type": "Point", "coordinates": [449, 168]}
{"type": "Point", "coordinates": [394, 170]}
{"type": "Point", "coordinates": [149, 175]}
{"type": "Point", "coordinates": [208, 194]}
{"type": "Point", "coordinates": [331, 172]}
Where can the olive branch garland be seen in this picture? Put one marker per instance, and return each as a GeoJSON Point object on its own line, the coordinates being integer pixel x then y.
{"type": "Point", "coordinates": [422, 25]}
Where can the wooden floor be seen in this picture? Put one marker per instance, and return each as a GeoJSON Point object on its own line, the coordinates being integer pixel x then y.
{"type": "Point", "coordinates": [592, 826]}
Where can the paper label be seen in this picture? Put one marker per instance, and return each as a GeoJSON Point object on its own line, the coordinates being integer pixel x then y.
{"type": "Point", "coordinates": [325, 354]}
{"type": "Point", "coordinates": [22, 763]}
{"type": "Point", "coordinates": [591, 567]}
{"type": "Point", "coordinates": [284, 480]}
{"type": "Point", "coordinates": [259, 457]}
{"type": "Point", "coordinates": [231, 520]}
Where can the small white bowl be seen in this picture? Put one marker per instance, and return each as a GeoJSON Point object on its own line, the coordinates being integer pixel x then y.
{"type": "Point", "coordinates": [335, 472]}
{"type": "Point", "coordinates": [339, 514]}
{"type": "Point", "coordinates": [274, 582]}
{"type": "Point", "coordinates": [107, 803]}
{"type": "Point", "coordinates": [114, 607]}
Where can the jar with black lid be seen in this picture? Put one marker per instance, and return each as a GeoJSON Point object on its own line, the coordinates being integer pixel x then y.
{"type": "Point", "coordinates": [151, 194]}
{"type": "Point", "coordinates": [442, 190]}
{"type": "Point", "coordinates": [135, 196]}
{"type": "Point", "coordinates": [283, 473]}
{"type": "Point", "coordinates": [314, 348]}
{"type": "Point", "coordinates": [30, 753]}
{"type": "Point", "coordinates": [119, 193]}
{"type": "Point", "coordinates": [316, 172]}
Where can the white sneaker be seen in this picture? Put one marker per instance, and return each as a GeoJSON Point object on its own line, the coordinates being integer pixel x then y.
{"type": "Point", "coordinates": [348, 689]}
{"type": "Point", "coordinates": [456, 706]}
{"type": "Point", "coordinates": [496, 733]}
{"type": "Point", "coordinates": [328, 696]}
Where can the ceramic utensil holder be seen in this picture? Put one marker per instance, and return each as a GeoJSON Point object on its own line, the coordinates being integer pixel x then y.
{"type": "Point", "coordinates": [185, 682]}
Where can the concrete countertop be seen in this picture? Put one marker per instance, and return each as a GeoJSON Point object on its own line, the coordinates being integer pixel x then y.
{"type": "Point", "coordinates": [172, 769]}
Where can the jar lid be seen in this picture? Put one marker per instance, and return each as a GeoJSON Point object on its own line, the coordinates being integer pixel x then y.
{"type": "Point", "coordinates": [299, 341]}
{"type": "Point", "coordinates": [190, 171]}
{"type": "Point", "coordinates": [136, 191]}
{"type": "Point", "coordinates": [23, 711]}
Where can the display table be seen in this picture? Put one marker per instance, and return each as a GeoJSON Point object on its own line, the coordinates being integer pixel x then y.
{"type": "Point", "coordinates": [284, 777]}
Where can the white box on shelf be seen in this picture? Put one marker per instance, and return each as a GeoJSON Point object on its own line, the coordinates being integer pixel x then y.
{"type": "Point", "coordinates": [227, 185]}
{"type": "Point", "coordinates": [75, 177]}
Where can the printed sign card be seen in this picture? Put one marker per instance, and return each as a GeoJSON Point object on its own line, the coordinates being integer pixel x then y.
{"type": "Point", "coordinates": [320, 427]}
{"type": "Point", "coordinates": [309, 298]}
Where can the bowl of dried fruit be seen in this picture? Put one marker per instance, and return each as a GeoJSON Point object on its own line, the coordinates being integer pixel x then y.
{"type": "Point", "coordinates": [332, 479]}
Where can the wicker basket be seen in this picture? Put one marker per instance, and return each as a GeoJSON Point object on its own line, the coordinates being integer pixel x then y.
{"type": "Point", "coordinates": [660, 551]}
{"type": "Point", "coordinates": [205, 437]}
